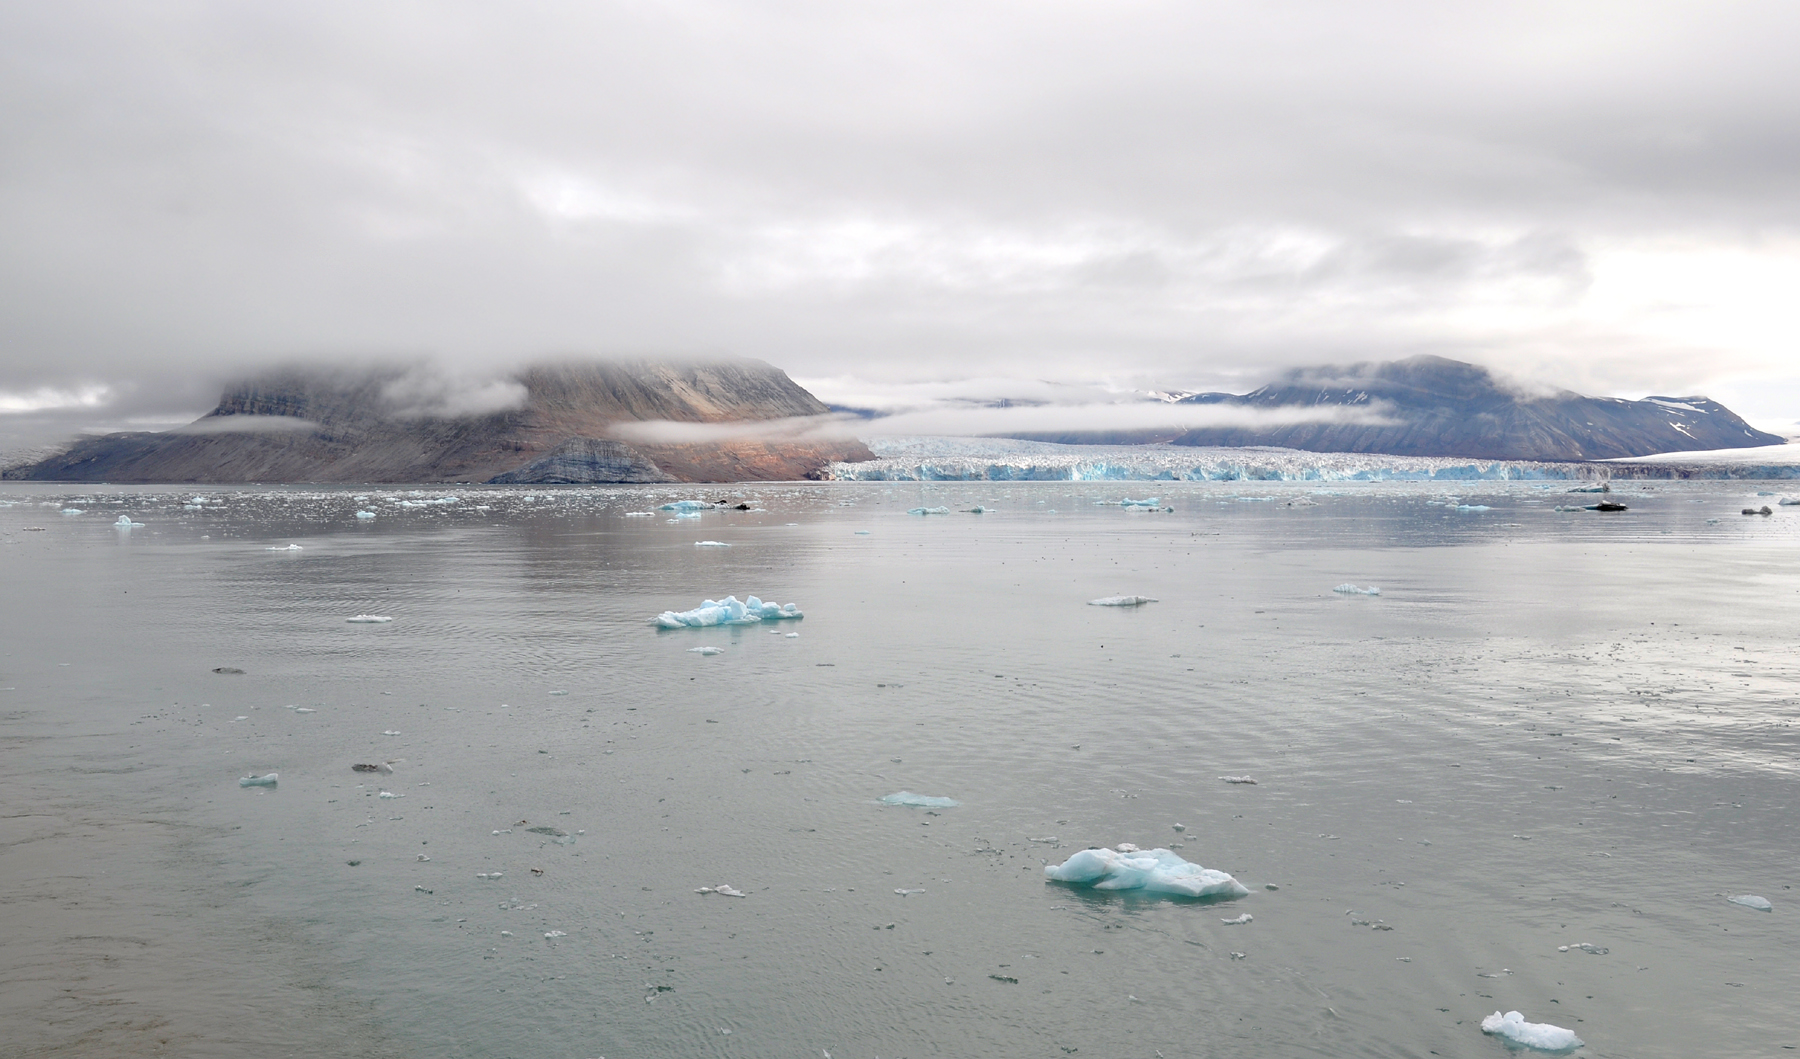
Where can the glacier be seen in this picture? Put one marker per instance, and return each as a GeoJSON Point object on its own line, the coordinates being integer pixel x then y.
{"type": "Point", "coordinates": [1540, 1035]}
{"type": "Point", "coordinates": [727, 612]}
{"type": "Point", "coordinates": [951, 459]}
{"type": "Point", "coordinates": [1150, 870]}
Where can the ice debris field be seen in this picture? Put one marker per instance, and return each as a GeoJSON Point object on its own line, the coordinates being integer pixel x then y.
{"type": "Point", "coordinates": [1151, 870]}
{"type": "Point", "coordinates": [728, 611]}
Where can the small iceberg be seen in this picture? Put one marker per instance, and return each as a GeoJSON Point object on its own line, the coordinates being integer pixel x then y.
{"type": "Point", "coordinates": [686, 505]}
{"type": "Point", "coordinates": [1152, 870]}
{"type": "Point", "coordinates": [259, 781]}
{"type": "Point", "coordinates": [924, 801]}
{"type": "Point", "coordinates": [369, 619]}
{"type": "Point", "coordinates": [728, 612]}
{"type": "Point", "coordinates": [365, 514]}
{"type": "Point", "coordinates": [723, 888]}
{"type": "Point", "coordinates": [1787, 501]}
{"type": "Point", "coordinates": [928, 511]}
{"type": "Point", "coordinates": [707, 650]}
{"type": "Point", "coordinates": [1540, 1035]}
{"type": "Point", "coordinates": [289, 548]}
{"type": "Point", "coordinates": [1761, 904]}
{"type": "Point", "coordinates": [1121, 601]}
{"type": "Point", "coordinates": [1155, 501]}
{"type": "Point", "coordinates": [73, 511]}
{"type": "Point", "coordinates": [711, 544]}
{"type": "Point", "coordinates": [1349, 589]}
{"type": "Point", "coordinates": [1473, 507]}
{"type": "Point", "coordinates": [125, 523]}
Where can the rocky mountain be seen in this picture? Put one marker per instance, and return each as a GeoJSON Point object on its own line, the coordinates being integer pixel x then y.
{"type": "Point", "coordinates": [561, 425]}
{"type": "Point", "coordinates": [1430, 406]}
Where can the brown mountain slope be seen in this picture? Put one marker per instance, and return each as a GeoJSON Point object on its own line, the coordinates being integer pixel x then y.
{"type": "Point", "coordinates": [322, 426]}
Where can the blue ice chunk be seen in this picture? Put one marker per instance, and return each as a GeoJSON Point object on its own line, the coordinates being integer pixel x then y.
{"type": "Point", "coordinates": [1540, 1035]}
{"type": "Point", "coordinates": [1761, 904]}
{"type": "Point", "coordinates": [686, 505]}
{"type": "Point", "coordinates": [728, 612]}
{"type": "Point", "coordinates": [1473, 507]}
{"type": "Point", "coordinates": [259, 781]}
{"type": "Point", "coordinates": [1155, 501]}
{"type": "Point", "coordinates": [925, 801]}
{"type": "Point", "coordinates": [1152, 870]}
{"type": "Point", "coordinates": [365, 514]}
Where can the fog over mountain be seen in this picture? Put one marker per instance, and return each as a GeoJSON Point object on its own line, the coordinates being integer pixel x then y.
{"type": "Point", "coordinates": [894, 201]}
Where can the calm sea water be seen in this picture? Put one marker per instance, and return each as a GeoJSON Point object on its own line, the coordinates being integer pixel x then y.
{"type": "Point", "coordinates": [1550, 729]}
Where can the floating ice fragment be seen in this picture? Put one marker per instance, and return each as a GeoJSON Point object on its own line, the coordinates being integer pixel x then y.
{"type": "Point", "coordinates": [1238, 779]}
{"type": "Point", "coordinates": [490, 875]}
{"type": "Point", "coordinates": [1591, 950]}
{"type": "Point", "coordinates": [1154, 870]}
{"type": "Point", "coordinates": [711, 544]}
{"type": "Point", "coordinates": [386, 768]}
{"type": "Point", "coordinates": [640, 514]}
{"type": "Point", "coordinates": [555, 934]}
{"type": "Point", "coordinates": [1179, 827]}
{"type": "Point", "coordinates": [1349, 589]}
{"type": "Point", "coordinates": [928, 511]}
{"type": "Point", "coordinates": [1238, 920]}
{"type": "Point", "coordinates": [1121, 601]}
{"type": "Point", "coordinates": [1539, 1035]}
{"type": "Point", "coordinates": [1473, 507]}
{"type": "Point", "coordinates": [728, 612]}
{"type": "Point", "coordinates": [73, 511]}
{"type": "Point", "coordinates": [391, 794]}
{"type": "Point", "coordinates": [369, 619]}
{"type": "Point", "coordinates": [1761, 904]}
{"type": "Point", "coordinates": [722, 888]}
{"type": "Point", "coordinates": [686, 505]}
{"type": "Point", "coordinates": [365, 514]}
{"type": "Point", "coordinates": [707, 650]}
{"type": "Point", "coordinates": [289, 548]}
{"type": "Point", "coordinates": [908, 893]}
{"type": "Point", "coordinates": [390, 732]}
{"type": "Point", "coordinates": [922, 800]}
{"type": "Point", "coordinates": [125, 523]}
{"type": "Point", "coordinates": [259, 781]}
{"type": "Point", "coordinates": [1151, 502]}
{"type": "Point", "coordinates": [793, 636]}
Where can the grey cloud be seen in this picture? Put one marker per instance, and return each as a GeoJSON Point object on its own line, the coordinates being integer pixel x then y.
{"type": "Point", "coordinates": [1168, 194]}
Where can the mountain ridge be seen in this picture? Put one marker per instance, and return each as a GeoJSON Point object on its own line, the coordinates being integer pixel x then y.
{"type": "Point", "coordinates": [379, 425]}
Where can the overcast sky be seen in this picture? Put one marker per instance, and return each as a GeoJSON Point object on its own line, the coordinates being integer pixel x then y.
{"type": "Point", "coordinates": [891, 200]}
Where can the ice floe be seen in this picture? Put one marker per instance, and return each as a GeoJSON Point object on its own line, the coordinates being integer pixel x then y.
{"type": "Point", "coordinates": [1540, 1035]}
{"type": "Point", "coordinates": [1238, 779]}
{"type": "Point", "coordinates": [922, 800]}
{"type": "Point", "coordinates": [728, 612]}
{"type": "Point", "coordinates": [126, 523]}
{"type": "Point", "coordinates": [1761, 904]}
{"type": "Point", "coordinates": [723, 888]}
{"type": "Point", "coordinates": [365, 514]}
{"type": "Point", "coordinates": [289, 548]}
{"type": "Point", "coordinates": [369, 619]}
{"type": "Point", "coordinates": [686, 505]}
{"type": "Point", "coordinates": [259, 781]}
{"type": "Point", "coordinates": [1151, 870]}
{"type": "Point", "coordinates": [1121, 601]}
{"type": "Point", "coordinates": [707, 650]}
{"type": "Point", "coordinates": [1349, 589]}
{"type": "Point", "coordinates": [711, 544]}
{"type": "Point", "coordinates": [928, 511]}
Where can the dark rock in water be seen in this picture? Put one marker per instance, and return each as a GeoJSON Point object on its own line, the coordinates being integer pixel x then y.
{"type": "Point", "coordinates": [586, 461]}
{"type": "Point", "coordinates": [1764, 510]}
{"type": "Point", "coordinates": [1430, 406]}
{"type": "Point", "coordinates": [230, 671]}
{"type": "Point", "coordinates": [361, 426]}
{"type": "Point", "coordinates": [1608, 505]}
